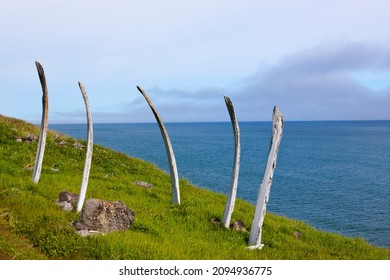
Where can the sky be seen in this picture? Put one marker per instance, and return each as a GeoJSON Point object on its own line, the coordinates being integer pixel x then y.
{"type": "Point", "coordinates": [315, 60]}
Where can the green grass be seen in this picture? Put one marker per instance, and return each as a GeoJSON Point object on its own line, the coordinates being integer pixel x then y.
{"type": "Point", "coordinates": [33, 227]}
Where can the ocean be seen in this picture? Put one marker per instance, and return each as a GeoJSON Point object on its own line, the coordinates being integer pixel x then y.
{"type": "Point", "coordinates": [333, 175]}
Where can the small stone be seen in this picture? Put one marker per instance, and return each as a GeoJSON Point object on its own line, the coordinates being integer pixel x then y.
{"type": "Point", "coordinates": [3, 215]}
{"type": "Point", "coordinates": [30, 138]}
{"type": "Point", "coordinates": [215, 221]}
{"type": "Point", "coordinates": [143, 184]}
{"type": "Point", "coordinates": [78, 145]}
{"type": "Point", "coordinates": [66, 206]}
{"type": "Point", "coordinates": [79, 226]}
{"type": "Point", "coordinates": [29, 167]}
{"type": "Point", "coordinates": [67, 197]}
{"type": "Point", "coordinates": [298, 234]}
{"type": "Point", "coordinates": [86, 232]}
{"type": "Point", "coordinates": [62, 142]}
{"type": "Point", "coordinates": [238, 226]}
{"type": "Point", "coordinates": [67, 200]}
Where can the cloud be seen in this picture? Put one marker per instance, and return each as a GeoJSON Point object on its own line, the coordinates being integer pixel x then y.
{"type": "Point", "coordinates": [189, 54]}
{"type": "Point", "coordinates": [173, 105]}
{"type": "Point", "coordinates": [319, 84]}
{"type": "Point", "coordinates": [178, 105]}
{"type": "Point", "coordinates": [325, 82]}
{"type": "Point", "coordinates": [331, 58]}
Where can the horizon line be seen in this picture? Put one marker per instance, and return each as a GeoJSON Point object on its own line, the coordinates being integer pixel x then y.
{"type": "Point", "coordinates": [216, 122]}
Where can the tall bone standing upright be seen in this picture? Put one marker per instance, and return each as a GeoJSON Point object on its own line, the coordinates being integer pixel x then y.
{"type": "Point", "coordinates": [229, 207]}
{"type": "Point", "coordinates": [44, 125]}
{"type": "Point", "coordinates": [88, 157]}
{"type": "Point", "coordinates": [265, 187]}
{"type": "Point", "coordinates": [168, 146]}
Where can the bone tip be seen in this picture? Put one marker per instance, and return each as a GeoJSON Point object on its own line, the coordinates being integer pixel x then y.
{"type": "Point", "coordinates": [277, 111]}
{"type": "Point", "coordinates": [38, 66]}
{"type": "Point", "coordinates": [227, 99]}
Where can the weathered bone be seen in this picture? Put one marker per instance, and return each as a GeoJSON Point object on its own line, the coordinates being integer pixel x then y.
{"type": "Point", "coordinates": [229, 207]}
{"type": "Point", "coordinates": [44, 125]}
{"type": "Point", "coordinates": [88, 158]}
{"type": "Point", "coordinates": [265, 187]}
{"type": "Point", "coordinates": [169, 149]}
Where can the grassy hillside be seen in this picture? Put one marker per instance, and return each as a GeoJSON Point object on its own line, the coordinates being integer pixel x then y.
{"type": "Point", "coordinates": [33, 227]}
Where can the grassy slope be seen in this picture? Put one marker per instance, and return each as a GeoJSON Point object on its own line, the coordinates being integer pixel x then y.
{"type": "Point", "coordinates": [33, 227]}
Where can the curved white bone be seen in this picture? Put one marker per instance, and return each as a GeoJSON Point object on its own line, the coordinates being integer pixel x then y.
{"type": "Point", "coordinates": [88, 157]}
{"type": "Point", "coordinates": [265, 187]}
{"type": "Point", "coordinates": [229, 207]}
{"type": "Point", "coordinates": [44, 125]}
{"type": "Point", "coordinates": [169, 149]}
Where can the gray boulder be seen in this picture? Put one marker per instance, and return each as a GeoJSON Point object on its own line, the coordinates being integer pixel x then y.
{"type": "Point", "coordinates": [104, 216]}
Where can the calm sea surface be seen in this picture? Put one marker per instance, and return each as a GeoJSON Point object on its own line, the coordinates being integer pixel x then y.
{"type": "Point", "coordinates": [334, 176]}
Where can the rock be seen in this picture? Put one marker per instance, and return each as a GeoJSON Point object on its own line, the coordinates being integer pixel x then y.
{"type": "Point", "coordinates": [3, 213]}
{"type": "Point", "coordinates": [67, 196]}
{"type": "Point", "coordinates": [238, 226]}
{"type": "Point", "coordinates": [143, 184]}
{"type": "Point", "coordinates": [79, 226]}
{"type": "Point", "coordinates": [215, 221]}
{"type": "Point", "coordinates": [78, 145]}
{"type": "Point", "coordinates": [29, 138]}
{"type": "Point", "coordinates": [298, 234]}
{"type": "Point", "coordinates": [67, 206]}
{"type": "Point", "coordinates": [67, 200]}
{"type": "Point", "coordinates": [62, 142]}
{"type": "Point", "coordinates": [29, 167]}
{"type": "Point", "coordinates": [104, 216]}
{"type": "Point", "coordinates": [86, 232]}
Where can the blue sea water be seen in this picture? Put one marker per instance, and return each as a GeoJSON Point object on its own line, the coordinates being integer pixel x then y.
{"type": "Point", "coordinates": [333, 175]}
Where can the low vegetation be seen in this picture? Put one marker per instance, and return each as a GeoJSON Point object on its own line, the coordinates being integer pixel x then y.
{"type": "Point", "coordinates": [32, 226]}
